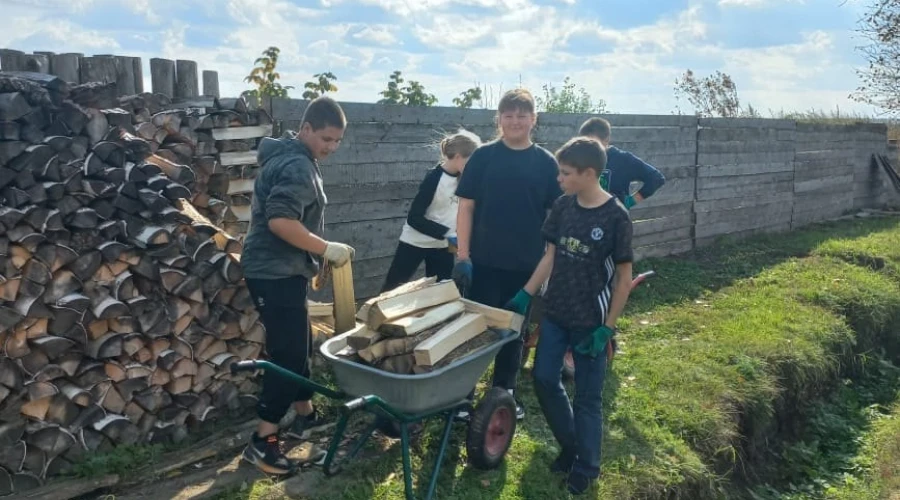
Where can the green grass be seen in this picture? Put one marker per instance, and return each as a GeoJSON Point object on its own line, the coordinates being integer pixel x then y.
{"type": "Point", "coordinates": [719, 352]}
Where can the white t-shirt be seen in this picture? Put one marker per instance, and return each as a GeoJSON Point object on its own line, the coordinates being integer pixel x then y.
{"type": "Point", "coordinates": [432, 216]}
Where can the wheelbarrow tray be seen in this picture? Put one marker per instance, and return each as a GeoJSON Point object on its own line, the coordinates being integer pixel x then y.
{"type": "Point", "coordinates": [413, 394]}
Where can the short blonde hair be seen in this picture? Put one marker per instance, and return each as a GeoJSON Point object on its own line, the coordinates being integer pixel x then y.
{"type": "Point", "coordinates": [462, 142]}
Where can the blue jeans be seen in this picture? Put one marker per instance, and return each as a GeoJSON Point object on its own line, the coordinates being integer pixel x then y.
{"type": "Point", "coordinates": [579, 433]}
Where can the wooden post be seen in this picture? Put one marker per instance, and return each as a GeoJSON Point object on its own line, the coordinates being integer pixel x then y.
{"type": "Point", "coordinates": [211, 83]}
{"type": "Point", "coordinates": [162, 76]}
{"type": "Point", "coordinates": [46, 60]}
{"type": "Point", "coordinates": [344, 298]}
{"type": "Point", "coordinates": [98, 69]}
{"type": "Point", "coordinates": [37, 63]}
{"type": "Point", "coordinates": [186, 84]}
{"type": "Point", "coordinates": [124, 76]}
{"type": "Point", "coordinates": [11, 60]}
{"type": "Point", "coordinates": [67, 67]}
{"type": "Point", "coordinates": [138, 68]}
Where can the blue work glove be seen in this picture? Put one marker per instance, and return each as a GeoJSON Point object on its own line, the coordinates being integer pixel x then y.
{"type": "Point", "coordinates": [452, 240]}
{"type": "Point", "coordinates": [462, 275]}
{"type": "Point", "coordinates": [630, 202]}
{"type": "Point", "coordinates": [519, 304]}
{"type": "Point", "coordinates": [595, 343]}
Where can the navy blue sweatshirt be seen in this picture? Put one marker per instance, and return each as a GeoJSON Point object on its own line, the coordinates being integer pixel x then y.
{"type": "Point", "coordinates": [625, 168]}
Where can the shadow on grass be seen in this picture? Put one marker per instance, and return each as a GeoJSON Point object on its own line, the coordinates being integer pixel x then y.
{"type": "Point", "coordinates": [704, 270]}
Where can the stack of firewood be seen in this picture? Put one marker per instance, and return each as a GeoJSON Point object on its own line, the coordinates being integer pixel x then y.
{"type": "Point", "coordinates": [421, 326]}
{"type": "Point", "coordinates": [122, 304]}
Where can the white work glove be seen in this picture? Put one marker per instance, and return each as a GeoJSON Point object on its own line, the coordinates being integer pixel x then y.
{"type": "Point", "coordinates": [338, 253]}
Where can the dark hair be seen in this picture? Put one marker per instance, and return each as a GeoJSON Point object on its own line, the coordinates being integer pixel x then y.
{"type": "Point", "coordinates": [516, 100]}
{"type": "Point", "coordinates": [324, 112]}
{"type": "Point", "coordinates": [596, 127]}
{"type": "Point", "coordinates": [582, 153]}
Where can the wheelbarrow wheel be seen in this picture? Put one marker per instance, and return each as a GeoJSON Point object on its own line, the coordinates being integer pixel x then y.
{"type": "Point", "coordinates": [491, 429]}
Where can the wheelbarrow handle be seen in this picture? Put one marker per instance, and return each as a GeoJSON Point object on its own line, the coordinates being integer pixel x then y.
{"type": "Point", "coordinates": [247, 365]}
{"type": "Point", "coordinates": [268, 366]}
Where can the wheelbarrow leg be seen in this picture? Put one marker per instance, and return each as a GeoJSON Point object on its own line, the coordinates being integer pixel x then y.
{"type": "Point", "coordinates": [448, 426]}
{"type": "Point", "coordinates": [407, 464]}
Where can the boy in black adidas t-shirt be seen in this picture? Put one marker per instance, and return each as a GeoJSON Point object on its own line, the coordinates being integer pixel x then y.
{"type": "Point", "coordinates": [588, 260]}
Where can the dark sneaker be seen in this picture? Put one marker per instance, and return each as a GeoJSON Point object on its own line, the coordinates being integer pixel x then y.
{"type": "Point", "coordinates": [563, 463]}
{"type": "Point", "coordinates": [302, 427]}
{"type": "Point", "coordinates": [520, 410]}
{"type": "Point", "coordinates": [577, 483]}
{"type": "Point", "coordinates": [267, 455]}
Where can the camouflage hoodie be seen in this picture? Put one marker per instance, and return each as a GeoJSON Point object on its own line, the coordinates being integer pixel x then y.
{"type": "Point", "coordinates": [288, 185]}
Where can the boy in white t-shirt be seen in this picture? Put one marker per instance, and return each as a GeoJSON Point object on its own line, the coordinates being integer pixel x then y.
{"type": "Point", "coordinates": [430, 226]}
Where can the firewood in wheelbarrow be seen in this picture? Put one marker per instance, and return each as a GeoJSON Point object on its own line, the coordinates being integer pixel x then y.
{"type": "Point", "coordinates": [396, 346]}
{"type": "Point", "coordinates": [409, 303]}
{"type": "Point", "coordinates": [422, 320]}
{"type": "Point", "coordinates": [438, 346]}
{"type": "Point", "coordinates": [363, 313]}
{"type": "Point", "coordinates": [402, 364]}
{"type": "Point", "coordinates": [362, 336]}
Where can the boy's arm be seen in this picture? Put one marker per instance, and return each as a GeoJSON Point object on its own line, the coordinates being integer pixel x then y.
{"type": "Point", "coordinates": [542, 271]}
{"type": "Point", "coordinates": [649, 175]}
{"type": "Point", "coordinates": [467, 191]}
{"type": "Point", "coordinates": [284, 211]}
{"type": "Point", "coordinates": [464, 216]}
{"type": "Point", "coordinates": [425, 195]}
{"type": "Point", "coordinates": [620, 293]}
{"type": "Point", "coordinates": [623, 257]}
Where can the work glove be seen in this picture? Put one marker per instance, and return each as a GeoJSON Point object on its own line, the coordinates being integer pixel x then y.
{"type": "Point", "coordinates": [338, 253]}
{"type": "Point", "coordinates": [596, 342]}
{"type": "Point", "coordinates": [519, 303]}
{"type": "Point", "coordinates": [462, 275]}
{"type": "Point", "coordinates": [452, 243]}
{"type": "Point", "coordinates": [630, 202]}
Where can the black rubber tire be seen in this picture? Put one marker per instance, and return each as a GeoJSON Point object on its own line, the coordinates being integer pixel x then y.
{"type": "Point", "coordinates": [479, 427]}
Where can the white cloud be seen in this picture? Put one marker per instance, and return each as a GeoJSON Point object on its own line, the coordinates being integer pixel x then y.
{"type": "Point", "coordinates": [451, 45]}
{"type": "Point", "coordinates": [380, 35]}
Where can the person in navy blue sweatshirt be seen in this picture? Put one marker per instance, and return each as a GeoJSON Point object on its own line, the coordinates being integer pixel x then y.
{"type": "Point", "coordinates": [430, 227]}
{"type": "Point", "coordinates": [623, 167]}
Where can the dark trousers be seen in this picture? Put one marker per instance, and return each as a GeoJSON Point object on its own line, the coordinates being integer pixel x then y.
{"type": "Point", "coordinates": [494, 287]}
{"type": "Point", "coordinates": [282, 308]}
{"type": "Point", "coordinates": [578, 429]}
{"type": "Point", "coordinates": [438, 262]}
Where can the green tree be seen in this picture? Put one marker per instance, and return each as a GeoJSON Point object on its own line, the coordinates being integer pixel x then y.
{"type": "Point", "coordinates": [265, 76]}
{"type": "Point", "coordinates": [880, 79]}
{"type": "Point", "coordinates": [569, 99]}
{"type": "Point", "coordinates": [467, 98]}
{"type": "Point", "coordinates": [411, 94]}
{"type": "Point", "coordinates": [322, 84]}
{"type": "Point", "coordinates": [714, 95]}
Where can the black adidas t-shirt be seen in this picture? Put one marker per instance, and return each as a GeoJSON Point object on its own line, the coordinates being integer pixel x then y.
{"type": "Point", "coordinates": [589, 243]}
{"type": "Point", "coordinates": [512, 189]}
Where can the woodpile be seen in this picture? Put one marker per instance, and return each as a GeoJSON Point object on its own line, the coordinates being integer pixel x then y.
{"type": "Point", "coordinates": [122, 302]}
{"type": "Point", "coordinates": [421, 326]}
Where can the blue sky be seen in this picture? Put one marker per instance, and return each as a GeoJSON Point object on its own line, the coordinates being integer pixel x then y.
{"type": "Point", "coordinates": [783, 54]}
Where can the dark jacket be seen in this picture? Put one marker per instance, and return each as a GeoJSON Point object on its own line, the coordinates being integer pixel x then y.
{"type": "Point", "coordinates": [289, 185]}
{"type": "Point", "coordinates": [625, 168]}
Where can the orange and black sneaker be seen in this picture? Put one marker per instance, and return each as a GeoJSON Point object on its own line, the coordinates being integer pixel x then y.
{"type": "Point", "coordinates": [268, 456]}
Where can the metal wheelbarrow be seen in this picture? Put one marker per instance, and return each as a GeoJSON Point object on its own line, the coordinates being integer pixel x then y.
{"type": "Point", "coordinates": [407, 399]}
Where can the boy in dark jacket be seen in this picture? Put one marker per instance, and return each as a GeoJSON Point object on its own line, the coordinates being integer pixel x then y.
{"type": "Point", "coordinates": [623, 167]}
{"type": "Point", "coordinates": [283, 250]}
